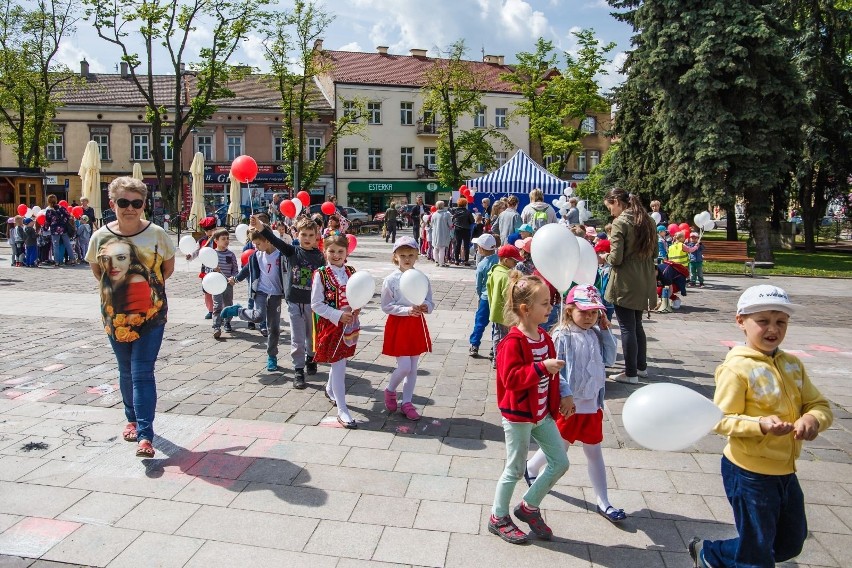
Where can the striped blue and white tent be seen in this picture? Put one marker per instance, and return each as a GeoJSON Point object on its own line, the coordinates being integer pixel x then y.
{"type": "Point", "coordinates": [518, 177]}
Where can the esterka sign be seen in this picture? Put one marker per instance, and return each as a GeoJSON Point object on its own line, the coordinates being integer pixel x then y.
{"type": "Point", "coordinates": [395, 186]}
{"type": "Point", "coordinates": [380, 187]}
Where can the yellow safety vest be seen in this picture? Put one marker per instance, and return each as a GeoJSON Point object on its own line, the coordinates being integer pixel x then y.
{"type": "Point", "coordinates": [677, 254]}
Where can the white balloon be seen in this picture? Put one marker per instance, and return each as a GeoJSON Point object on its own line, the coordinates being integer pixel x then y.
{"type": "Point", "coordinates": [705, 216]}
{"type": "Point", "coordinates": [709, 225]}
{"type": "Point", "coordinates": [28, 214]}
{"type": "Point", "coordinates": [585, 215]}
{"type": "Point", "coordinates": [187, 244]}
{"type": "Point", "coordinates": [359, 289]}
{"type": "Point", "coordinates": [555, 203]}
{"type": "Point", "coordinates": [208, 257]}
{"type": "Point", "coordinates": [668, 417]}
{"type": "Point", "coordinates": [581, 205]}
{"type": "Point", "coordinates": [656, 217]}
{"type": "Point", "coordinates": [214, 282]}
{"type": "Point", "coordinates": [587, 268]}
{"type": "Point", "coordinates": [241, 232]}
{"type": "Point", "coordinates": [37, 210]}
{"type": "Point", "coordinates": [414, 286]}
{"type": "Point", "coordinates": [555, 253]}
{"type": "Point", "coordinates": [568, 192]}
{"type": "Point", "coordinates": [298, 204]}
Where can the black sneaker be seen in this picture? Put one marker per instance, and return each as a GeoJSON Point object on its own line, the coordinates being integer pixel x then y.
{"type": "Point", "coordinates": [310, 366]}
{"type": "Point", "coordinates": [264, 332]}
{"type": "Point", "coordinates": [696, 552]}
{"type": "Point", "coordinates": [251, 325]}
{"type": "Point", "coordinates": [535, 521]}
{"type": "Point", "coordinates": [505, 528]}
{"type": "Point", "coordinates": [228, 327]}
{"type": "Point", "coordinates": [299, 379]}
{"type": "Point", "coordinates": [473, 351]}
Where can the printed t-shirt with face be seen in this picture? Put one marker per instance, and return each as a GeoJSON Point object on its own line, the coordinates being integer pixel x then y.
{"type": "Point", "coordinates": [132, 289]}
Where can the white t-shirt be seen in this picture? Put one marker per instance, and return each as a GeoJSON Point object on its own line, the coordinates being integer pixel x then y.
{"type": "Point", "coordinates": [270, 273]}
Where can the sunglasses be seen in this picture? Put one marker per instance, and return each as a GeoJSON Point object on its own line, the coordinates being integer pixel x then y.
{"type": "Point", "coordinates": [125, 203]}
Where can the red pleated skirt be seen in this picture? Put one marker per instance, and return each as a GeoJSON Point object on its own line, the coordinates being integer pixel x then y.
{"type": "Point", "coordinates": [406, 336]}
{"type": "Point", "coordinates": [588, 428]}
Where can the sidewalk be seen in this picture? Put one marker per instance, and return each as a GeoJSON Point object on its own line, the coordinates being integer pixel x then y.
{"type": "Point", "coordinates": [250, 472]}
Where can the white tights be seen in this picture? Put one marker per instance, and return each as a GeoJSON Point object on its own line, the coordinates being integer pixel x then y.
{"type": "Point", "coordinates": [336, 388]}
{"type": "Point", "coordinates": [596, 468]}
{"type": "Point", "coordinates": [406, 370]}
{"type": "Point", "coordinates": [441, 255]}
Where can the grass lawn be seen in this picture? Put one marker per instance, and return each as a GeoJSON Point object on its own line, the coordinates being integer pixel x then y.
{"type": "Point", "coordinates": [788, 262]}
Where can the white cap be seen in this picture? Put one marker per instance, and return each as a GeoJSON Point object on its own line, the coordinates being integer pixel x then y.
{"type": "Point", "coordinates": [764, 297]}
{"type": "Point", "coordinates": [486, 241]}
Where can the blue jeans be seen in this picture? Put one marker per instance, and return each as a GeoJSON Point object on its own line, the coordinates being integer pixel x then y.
{"type": "Point", "coordinates": [136, 360]}
{"type": "Point", "coordinates": [480, 321]}
{"type": "Point", "coordinates": [61, 247]}
{"type": "Point", "coordinates": [769, 512]}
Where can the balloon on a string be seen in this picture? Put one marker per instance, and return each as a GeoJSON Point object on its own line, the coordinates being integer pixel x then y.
{"type": "Point", "coordinates": [297, 204]}
{"type": "Point", "coordinates": [414, 286]}
{"type": "Point", "coordinates": [77, 212]}
{"type": "Point", "coordinates": [328, 208]}
{"type": "Point", "coordinates": [353, 243]}
{"type": "Point", "coordinates": [22, 209]}
{"type": "Point", "coordinates": [208, 257]}
{"type": "Point", "coordinates": [359, 289]}
{"type": "Point", "coordinates": [63, 204]}
{"type": "Point", "coordinates": [668, 417]}
{"type": "Point", "coordinates": [673, 229]}
{"type": "Point", "coordinates": [244, 258]}
{"type": "Point", "coordinates": [555, 253]}
{"type": "Point", "coordinates": [656, 217]}
{"type": "Point", "coordinates": [187, 244]}
{"type": "Point", "coordinates": [244, 169]}
{"type": "Point", "coordinates": [35, 210]}
{"type": "Point", "coordinates": [585, 215]}
{"type": "Point", "coordinates": [587, 267]}
{"type": "Point", "coordinates": [433, 209]}
{"type": "Point", "coordinates": [214, 283]}
{"type": "Point", "coordinates": [40, 219]}
{"type": "Point", "coordinates": [305, 198]}
{"type": "Point", "coordinates": [685, 228]}
{"type": "Point", "coordinates": [709, 225]}
{"type": "Point", "coordinates": [241, 232]}
{"type": "Point", "coordinates": [287, 208]}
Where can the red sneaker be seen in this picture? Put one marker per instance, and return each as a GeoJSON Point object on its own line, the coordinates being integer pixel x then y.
{"type": "Point", "coordinates": [505, 528]}
{"type": "Point", "coordinates": [534, 520]}
{"type": "Point", "coordinates": [409, 411]}
{"type": "Point", "coordinates": [390, 401]}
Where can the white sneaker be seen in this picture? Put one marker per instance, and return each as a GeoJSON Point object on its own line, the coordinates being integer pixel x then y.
{"type": "Point", "coordinates": [642, 374]}
{"type": "Point", "coordinates": [623, 378]}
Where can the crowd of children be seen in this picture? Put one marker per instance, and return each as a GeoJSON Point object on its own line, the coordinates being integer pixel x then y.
{"type": "Point", "coordinates": [32, 246]}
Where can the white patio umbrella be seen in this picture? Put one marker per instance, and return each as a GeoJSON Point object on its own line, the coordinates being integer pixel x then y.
{"type": "Point", "coordinates": [235, 213]}
{"type": "Point", "coordinates": [137, 174]}
{"type": "Point", "coordinates": [197, 212]}
{"type": "Point", "coordinates": [90, 175]}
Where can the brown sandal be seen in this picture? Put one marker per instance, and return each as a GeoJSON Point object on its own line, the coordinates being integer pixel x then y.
{"type": "Point", "coordinates": [145, 449]}
{"type": "Point", "coordinates": [129, 433]}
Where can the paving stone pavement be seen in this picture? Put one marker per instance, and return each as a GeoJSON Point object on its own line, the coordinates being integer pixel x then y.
{"type": "Point", "coordinates": [250, 472]}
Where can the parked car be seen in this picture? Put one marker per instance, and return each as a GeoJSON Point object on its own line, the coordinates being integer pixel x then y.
{"type": "Point", "coordinates": [355, 216]}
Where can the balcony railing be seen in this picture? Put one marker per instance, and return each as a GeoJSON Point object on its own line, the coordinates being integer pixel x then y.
{"type": "Point", "coordinates": [428, 127]}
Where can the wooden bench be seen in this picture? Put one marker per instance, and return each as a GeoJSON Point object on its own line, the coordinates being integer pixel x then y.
{"type": "Point", "coordinates": [729, 251]}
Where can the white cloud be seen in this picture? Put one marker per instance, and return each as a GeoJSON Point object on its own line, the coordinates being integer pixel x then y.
{"type": "Point", "coordinates": [71, 55]}
{"type": "Point", "coordinates": [253, 53]}
{"type": "Point", "coordinates": [520, 20]}
{"type": "Point", "coordinates": [351, 46]}
{"type": "Point", "coordinates": [613, 78]}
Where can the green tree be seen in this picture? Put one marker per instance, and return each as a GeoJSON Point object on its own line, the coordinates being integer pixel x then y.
{"type": "Point", "coordinates": [602, 178]}
{"type": "Point", "coordinates": [289, 40]}
{"type": "Point", "coordinates": [823, 47]}
{"type": "Point", "coordinates": [169, 27]}
{"type": "Point", "coordinates": [556, 102]}
{"type": "Point", "coordinates": [454, 88]}
{"type": "Point", "coordinates": [31, 80]}
{"type": "Point", "coordinates": [725, 101]}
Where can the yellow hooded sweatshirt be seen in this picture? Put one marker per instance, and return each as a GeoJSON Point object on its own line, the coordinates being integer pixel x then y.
{"type": "Point", "coordinates": [750, 383]}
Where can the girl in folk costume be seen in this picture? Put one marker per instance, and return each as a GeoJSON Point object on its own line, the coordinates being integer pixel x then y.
{"type": "Point", "coordinates": [336, 326]}
{"type": "Point", "coordinates": [406, 334]}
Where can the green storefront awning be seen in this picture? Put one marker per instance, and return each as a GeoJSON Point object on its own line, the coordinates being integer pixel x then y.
{"type": "Point", "coordinates": [395, 186]}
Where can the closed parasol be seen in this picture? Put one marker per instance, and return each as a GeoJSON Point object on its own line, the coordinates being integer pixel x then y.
{"type": "Point", "coordinates": [235, 214]}
{"type": "Point", "coordinates": [90, 175]}
{"type": "Point", "coordinates": [197, 213]}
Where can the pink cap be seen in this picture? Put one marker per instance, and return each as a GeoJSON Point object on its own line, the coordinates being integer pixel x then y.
{"type": "Point", "coordinates": [585, 297]}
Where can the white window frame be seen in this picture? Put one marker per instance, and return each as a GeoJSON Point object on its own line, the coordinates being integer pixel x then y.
{"type": "Point", "coordinates": [102, 140]}
{"type": "Point", "coordinates": [350, 110]}
{"type": "Point", "coordinates": [207, 149]}
{"type": "Point", "coordinates": [374, 112]}
{"type": "Point", "coordinates": [589, 125]}
{"type": "Point", "coordinates": [167, 147]}
{"type": "Point", "coordinates": [430, 158]}
{"type": "Point", "coordinates": [314, 144]}
{"type": "Point", "coordinates": [277, 148]}
{"type": "Point", "coordinates": [593, 158]}
{"type": "Point", "coordinates": [140, 146]}
{"type": "Point", "coordinates": [479, 117]}
{"type": "Point", "coordinates": [374, 159]}
{"type": "Point", "coordinates": [501, 157]}
{"type": "Point", "coordinates": [55, 149]}
{"type": "Point", "coordinates": [582, 165]}
{"type": "Point", "coordinates": [350, 159]}
{"type": "Point", "coordinates": [406, 113]}
{"type": "Point", "coordinates": [234, 150]}
{"type": "Point", "coordinates": [500, 115]}
{"type": "Point", "coordinates": [406, 158]}
{"type": "Point", "coordinates": [480, 167]}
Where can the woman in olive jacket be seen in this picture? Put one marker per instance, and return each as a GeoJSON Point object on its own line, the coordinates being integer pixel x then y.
{"type": "Point", "coordinates": [632, 283]}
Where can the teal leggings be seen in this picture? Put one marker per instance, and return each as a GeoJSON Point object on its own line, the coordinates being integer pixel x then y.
{"type": "Point", "coordinates": [518, 436]}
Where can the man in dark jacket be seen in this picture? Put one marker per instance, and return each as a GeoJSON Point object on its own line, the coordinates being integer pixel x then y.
{"type": "Point", "coordinates": [417, 213]}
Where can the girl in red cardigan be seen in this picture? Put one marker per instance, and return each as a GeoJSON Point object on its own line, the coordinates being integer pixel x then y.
{"type": "Point", "coordinates": [528, 397]}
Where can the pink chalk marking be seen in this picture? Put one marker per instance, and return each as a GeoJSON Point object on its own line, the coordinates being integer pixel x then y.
{"type": "Point", "coordinates": [54, 367]}
{"type": "Point", "coordinates": [18, 381]}
{"type": "Point", "coordinates": [403, 429]}
{"type": "Point", "coordinates": [262, 448]}
{"type": "Point", "coordinates": [38, 394]}
{"type": "Point", "coordinates": [221, 465]}
{"type": "Point", "coordinates": [34, 536]}
{"type": "Point", "coordinates": [727, 343]}
{"type": "Point", "coordinates": [249, 430]}
{"type": "Point", "coordinates": [12, 394]}
{"type": "Point", "coordinates": [181, 461]}
{"type": "Point", "coordinates": [824, 348]}
{"type": "Point", "coordinates": [103, 389]}
{"type": "Point", "coordinates": [798, 353]}
{"type": "Point", "coordinates": [218, 443]}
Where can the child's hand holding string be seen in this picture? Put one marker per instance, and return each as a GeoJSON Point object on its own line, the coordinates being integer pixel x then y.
{"type": "Point", "coordinates": [775, 426]}
{"type": "Point", "coordinates": [806, 428]}
{"type": "Point", "coordinates": [553, 366]}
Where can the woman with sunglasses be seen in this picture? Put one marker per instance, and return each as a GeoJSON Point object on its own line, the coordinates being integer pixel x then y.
{"type": "Point", "coordinates": [131, 259]}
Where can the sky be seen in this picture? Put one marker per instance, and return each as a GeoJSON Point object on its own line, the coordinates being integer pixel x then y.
{"type": "Point", "coordinates": [499, 27]}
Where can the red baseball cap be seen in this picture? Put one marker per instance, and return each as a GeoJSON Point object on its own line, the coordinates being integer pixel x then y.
{"type": "Point", "coordinates": [603, 245]}
{"type": "Point", "coordinates": [509, 251]}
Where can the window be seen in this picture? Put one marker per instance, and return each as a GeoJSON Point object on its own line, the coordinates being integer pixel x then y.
{"type": "Point", "coordinates": [234, 143]}
{"type": "Point", "coordinates": [204, 144]}
{"type": "Point", "coordinates": [167, 147]}
{"type": "Point", "coordinates": [581, 162]}
{"type": "Point", "coordinates": [141, 146]}
{"type": "Point", "coordinates": [56, 147]}
{"type": "Point", "coordinates": [350, 158]}
{"type": "Point", "coordinates": [350, 111]}
{"type": "Point", "coordinates": [314, 147]}
{"type": "Point", "coordinates": [501, 157]}
{"type": "Point", "coordinates": [550, 160]}
{"type": "Point", "coordinates": [594, 158]}
{"type": "Point", "coordinates": [278, 148]}
{"type": "Point", "coordinates": [480, 167]}
{"type": "Point", "coordinates": [500, 118]}
{"type": "Point", "coordinates": [589, 125]}
{"type": "Point", "coordinates": [406, 158]}
{"type": "Point", "coordinates": [101, 137]}
{"type": "Point", "coordinates": [406, 114]}
{"type": "Point", "coordinates": [374, 113]}
{"type": "Point", "coordinates": [374, 159]}
{"type": "Point", "coordinates": [430, 158]}
{"type": "Point", "coordinates": [479, 118]}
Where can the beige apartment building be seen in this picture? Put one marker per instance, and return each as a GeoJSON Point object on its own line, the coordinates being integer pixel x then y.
{"type": "Point", "coordinates": [395, 159]}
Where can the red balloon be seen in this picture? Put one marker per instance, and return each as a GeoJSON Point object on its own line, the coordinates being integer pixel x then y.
{"type": "Point", "coordinates": [22, 209]}
{"type": "Point", "coordinates": [463, 188]}
{"type": "Point", "coordinates": [63, 203]}
{"type": "Point", "coordinates": [244, 169]}
{"type": "Point", "coordinates": [673, 229]}
{"type": "Point", "coordinates": [320, 244]}
{"type": "Point", "coordinates": [685, 228]}
{"type": "Point", "coordinates": [328, 208]}
{"type": "Point", "coordinates": [353, 242]}
{"type": "Point", "coordinates": [305, 198]}
{"type": "Point", "coordinates": [77, 212]}
{"type": "Point", "coordinates": [246, 256]}
{"type": "Point", "coordinates": [288, 209]}
{"type": "Point", "coordinates": [40, 220]}
{"type": "Point", "coordinates": [68, 208]}
{"type": "Point", "coordinates": [433, 209]}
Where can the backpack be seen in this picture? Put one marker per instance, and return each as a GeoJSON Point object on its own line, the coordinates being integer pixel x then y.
{"type": "Point", "coordinates": [539, 218]}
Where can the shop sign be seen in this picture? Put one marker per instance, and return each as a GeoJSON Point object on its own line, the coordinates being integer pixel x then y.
{"type": "Point", "coordinates": [395, 186]}
{"type": "Point", "coordinates": [51, 180]}
{"type": "Point", "coordinates": [266, 173]}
